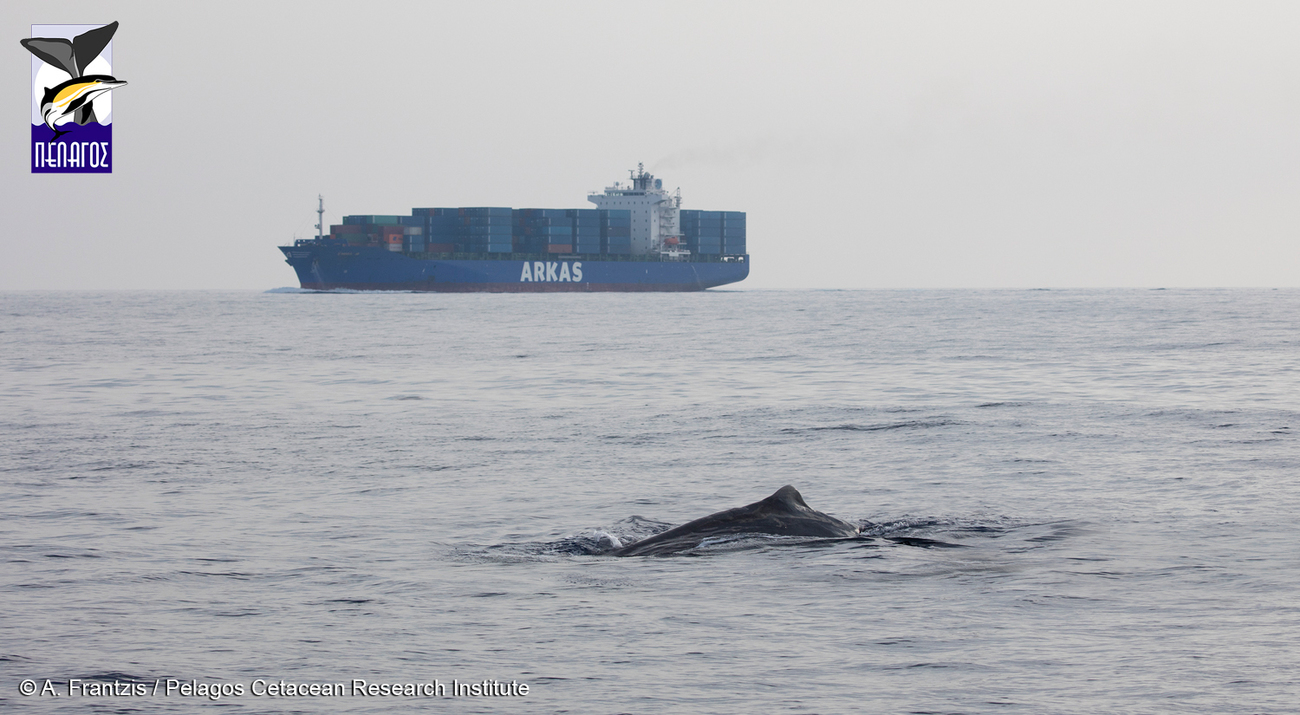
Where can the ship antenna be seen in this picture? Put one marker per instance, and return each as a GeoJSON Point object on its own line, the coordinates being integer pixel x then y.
{"type": "Point", "coordinates": [320, 217]}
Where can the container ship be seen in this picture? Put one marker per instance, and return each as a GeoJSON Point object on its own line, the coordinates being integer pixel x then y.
{"type": "Point", "coordinates": [637, 239]}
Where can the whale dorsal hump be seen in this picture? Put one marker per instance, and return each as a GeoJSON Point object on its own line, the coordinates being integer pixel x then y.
{"type": "Point", "coordinates": [787, 498]}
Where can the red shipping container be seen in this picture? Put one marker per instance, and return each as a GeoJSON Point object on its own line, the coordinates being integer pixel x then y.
{"type": "Point", "coordinates": [560, 248]}
{"type": "Point", "coordinates": [440, 247]}
{"type": "Point", "coordinates": [341, 230]}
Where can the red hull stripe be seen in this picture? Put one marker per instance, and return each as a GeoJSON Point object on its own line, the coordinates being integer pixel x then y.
{"type": "Point", "coordinates": [511, 287]}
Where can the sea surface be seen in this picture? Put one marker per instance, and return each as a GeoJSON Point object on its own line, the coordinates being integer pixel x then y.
{"type": "Point", "coordinates": [1072, 501]}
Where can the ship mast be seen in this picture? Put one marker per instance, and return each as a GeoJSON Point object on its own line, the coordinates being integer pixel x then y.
{"type": "Point", "coordinates": [320, 217]}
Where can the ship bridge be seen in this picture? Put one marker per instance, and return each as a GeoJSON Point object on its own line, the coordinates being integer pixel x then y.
{"type": "Point", "coordinates": [654, 212]}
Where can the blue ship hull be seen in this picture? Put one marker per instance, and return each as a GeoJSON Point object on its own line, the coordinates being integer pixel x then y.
{"type": "Point", "coordinates": [331, 266]}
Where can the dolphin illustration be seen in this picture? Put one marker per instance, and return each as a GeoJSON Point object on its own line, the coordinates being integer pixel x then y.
{"type": "Point", "coordinates": [782, 514]}
{"type": "Point", "coordinates": [76, 96]}
{"type": "Point", "coordinates": [72, 96]}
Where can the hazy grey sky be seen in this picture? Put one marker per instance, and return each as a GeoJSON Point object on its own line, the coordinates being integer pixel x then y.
{"type": "Point", "coordinates": [873, 144]}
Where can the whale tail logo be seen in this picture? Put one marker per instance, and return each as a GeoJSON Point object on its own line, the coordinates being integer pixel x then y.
{"type": "Point", "coordinates": [74, 98]}
{"type": "Point", "coordinates": [73, 73]}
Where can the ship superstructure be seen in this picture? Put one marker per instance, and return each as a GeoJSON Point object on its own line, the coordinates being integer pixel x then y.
{"type": "Point", "coordinates": [653, 213]}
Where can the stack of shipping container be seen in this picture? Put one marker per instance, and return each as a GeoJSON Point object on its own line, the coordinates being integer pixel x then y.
{"type": "Point", "coordinates": [533, 231]}
{"type": "Point", "coordinates": [733, 233]}
{"type": "Point", "coordinates": [570, 231]}
{"type": "Point", "coordinates": [586, 230]}
{"type": "Point", "coordinates": [440, 228]}
{"type": "Point", "coordinates": [616, 231]}
{"type": "Point", "coordinates": [543, 231]}
{"type": "Point", "coordinates": [484, 230]}
{"type": "Point", "coordinates": [714, 232]}
{"type": "Point", "coordinates": [384, 230]}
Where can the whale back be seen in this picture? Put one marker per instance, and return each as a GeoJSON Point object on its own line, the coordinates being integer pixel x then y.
{"type": "Point", "coordinates": [785, 513]}
{"type": "Point", "coordinates": [787, 498]}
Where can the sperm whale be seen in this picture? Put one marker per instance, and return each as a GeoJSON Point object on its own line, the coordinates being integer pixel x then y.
{"type": "Point", "coordinates": [783, 514]}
